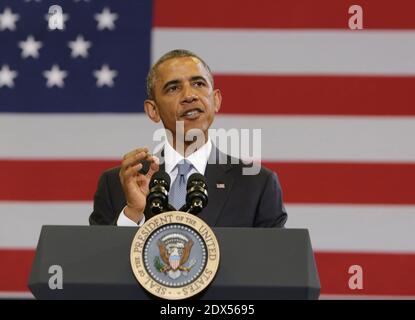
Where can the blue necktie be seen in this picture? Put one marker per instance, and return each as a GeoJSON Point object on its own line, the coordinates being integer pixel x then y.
{"type": "Point", "coordinates": [177, 195]}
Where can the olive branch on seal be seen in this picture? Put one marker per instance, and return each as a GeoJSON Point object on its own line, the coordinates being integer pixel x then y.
{"type": "Point", "coordinates": [158, 264]}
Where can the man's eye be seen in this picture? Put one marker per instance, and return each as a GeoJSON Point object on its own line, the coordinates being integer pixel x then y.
{"type": "Point", "coordinates": [199, 84]}
{"type": "Point", "coordinates": [172, 89]}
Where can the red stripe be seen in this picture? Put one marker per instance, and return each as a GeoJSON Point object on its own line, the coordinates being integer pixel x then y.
{"type": "Point", "coordinates": [383, 274]}
{"type": "Point", "coordinates": [15, 269]}
{"type": "Point", "coordinates": [302, 182]}
{"type": "Point", "coordinates": [317, 95]}
{"type": "Point", "coordinates": [355, 183]}
{"type": "Point", "coordinates": [377, 14]}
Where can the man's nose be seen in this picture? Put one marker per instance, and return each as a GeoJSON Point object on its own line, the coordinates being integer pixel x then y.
{"type": "Point", "coordinates": [189, 95]}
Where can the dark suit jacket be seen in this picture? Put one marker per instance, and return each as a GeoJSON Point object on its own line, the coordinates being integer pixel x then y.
{"type": "Point", "coordinates": [246, 200]}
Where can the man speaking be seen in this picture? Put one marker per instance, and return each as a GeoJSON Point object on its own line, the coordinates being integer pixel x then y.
{"type": "Point", "coordinates": [180, 89]}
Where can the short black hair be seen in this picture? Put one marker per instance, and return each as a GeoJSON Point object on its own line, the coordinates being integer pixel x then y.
{"type": "Point", "coordinates": [177, 53]}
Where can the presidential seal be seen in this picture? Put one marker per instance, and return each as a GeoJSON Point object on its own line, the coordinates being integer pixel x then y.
{"type": "Point", "coordinates": [174, 255]}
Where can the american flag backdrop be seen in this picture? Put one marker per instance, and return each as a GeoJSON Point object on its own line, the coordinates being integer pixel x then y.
{"type": "Point", "coordinates": [336, 108]}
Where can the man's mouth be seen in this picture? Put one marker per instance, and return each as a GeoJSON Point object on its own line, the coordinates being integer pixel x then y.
{"type": "Point", "coordinates": [192, 113]}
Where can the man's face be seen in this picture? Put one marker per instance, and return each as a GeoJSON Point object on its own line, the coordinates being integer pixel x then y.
{"type": "Point", "coordinates": [183, 92]}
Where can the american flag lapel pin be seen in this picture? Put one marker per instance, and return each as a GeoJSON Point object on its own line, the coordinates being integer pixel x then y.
{"type": "Point", "coordinates": [220, 186]}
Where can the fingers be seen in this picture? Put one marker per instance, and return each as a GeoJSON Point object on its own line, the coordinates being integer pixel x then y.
{"type": "Point", "coordinates": [132, 158]}
{"type": "Point", "coordinates": [154, 166]}
{"type": "Point", "coordinates": [133, 171]}
{"type": "Point", "coordinates": [133, 162]}
{"type": "Point", "coordinates": [135, 151]}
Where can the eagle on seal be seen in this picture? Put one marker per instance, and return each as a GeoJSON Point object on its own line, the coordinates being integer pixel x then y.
{"type": "Point", "coordinates": [173, 261]}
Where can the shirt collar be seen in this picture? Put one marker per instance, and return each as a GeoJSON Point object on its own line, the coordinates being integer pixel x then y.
{"type": "Point", "coordinates": [198, 159]}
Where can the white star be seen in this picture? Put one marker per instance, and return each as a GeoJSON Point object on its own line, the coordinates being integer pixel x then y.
{"type": "Point", "coordinates": [7, 76]}
{"type": "Point", "coordinates": [65, 17]}
{"type": "Point", "coordinates": [105, 76]}
{"type": "Point", "coordinates": [30, 47]}
{"type": "Point", "coordinates": [106, 19]}
{"type": "Point", "coordinates": [8, 20]}
{"type": "Point", "coordinates": [55, 76]}
{"type": "Point", "coordinates": [79, 47]}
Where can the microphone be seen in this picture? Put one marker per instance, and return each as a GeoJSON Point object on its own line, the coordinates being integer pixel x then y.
{"type": "Point", "coordinates": [157, 198]}
{"type": "Point", "coordinates": [197, 194]}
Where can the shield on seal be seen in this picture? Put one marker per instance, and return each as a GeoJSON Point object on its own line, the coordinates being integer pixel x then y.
{"type": "Point", "coordinates": [174, 259]}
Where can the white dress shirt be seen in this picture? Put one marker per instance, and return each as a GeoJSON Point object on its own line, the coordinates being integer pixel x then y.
{"type": "Point", "coordinates": [198, 159]}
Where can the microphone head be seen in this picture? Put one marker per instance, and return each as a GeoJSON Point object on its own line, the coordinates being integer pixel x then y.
{"type": "Point", "coordinates": [157, 198]}
{"type": "Point", "coordinates": [160, 177]}
{"type": "Point", "coordinates": [197, 194]}
{"type": "Point", "coordinates": [196, 178]}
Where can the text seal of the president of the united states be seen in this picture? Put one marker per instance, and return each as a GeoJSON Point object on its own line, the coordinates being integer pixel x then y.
{"type": "Point", "coordinates": [174, 255]}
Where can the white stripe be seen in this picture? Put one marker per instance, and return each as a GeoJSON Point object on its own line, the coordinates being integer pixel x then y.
{"type": "Point", "coordinates": [330, 138]}
{"type": "Point", "coordinates": [358, 228]}
{"type": "Point", "coordinates": [284, 138]}
{"type": "Point", "coordinates": [332, 227]}
{"type": "Point", "coordinates": [72, 136]}
{"type": "Point", "coordinates": [250, 51]}
{"type": "Point", "coordinates": [22, 221]}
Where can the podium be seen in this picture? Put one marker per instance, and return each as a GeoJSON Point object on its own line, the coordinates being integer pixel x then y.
{"type": "Point", "coordinates": [255, 263]}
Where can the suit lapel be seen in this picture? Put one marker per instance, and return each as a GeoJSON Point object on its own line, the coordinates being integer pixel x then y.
{"type": "Point", "coordinates": [219, 182]}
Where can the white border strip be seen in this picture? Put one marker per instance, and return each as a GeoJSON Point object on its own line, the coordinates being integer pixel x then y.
{"type": "Point", "coordinates": [363, 297]}
{"type": "Point", "coordinates": [29, 295]}
{"type": "Point", "coordinates": [16, 295]}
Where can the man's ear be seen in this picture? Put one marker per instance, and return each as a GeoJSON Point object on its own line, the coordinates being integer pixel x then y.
{"type": "Point", "coordinates": [217, 96]}
{"type": "Point", "coordinates": [150, 107]}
